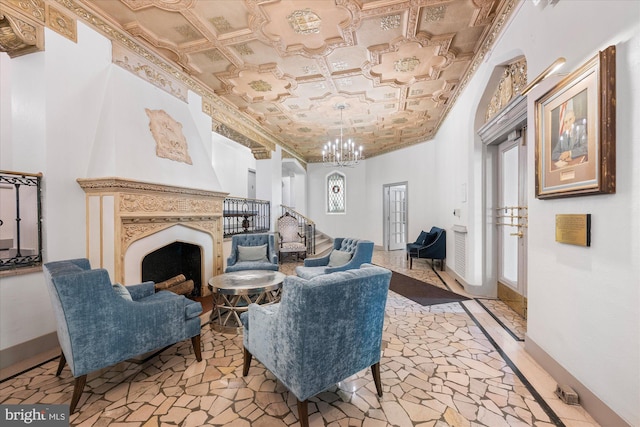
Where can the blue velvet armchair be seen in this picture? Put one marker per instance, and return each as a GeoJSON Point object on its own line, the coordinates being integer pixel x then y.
{"type": "Point", "coordinates": [354, 253]}
{"type": "Point", "coordinates": [245, 254]}
{"type": "Point", "coordinates": [431, 245]}
{"type": "Point", "coordinates": [100, 324]}
{"type": "Point", "coordinates": [321, 332]}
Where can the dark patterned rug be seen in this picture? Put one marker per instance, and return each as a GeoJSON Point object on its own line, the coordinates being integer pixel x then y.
{"type": "Point", "coordinates": [422, 292]}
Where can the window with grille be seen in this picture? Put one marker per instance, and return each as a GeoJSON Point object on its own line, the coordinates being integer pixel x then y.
{"type": "Point", "coordinates": [335, 193]}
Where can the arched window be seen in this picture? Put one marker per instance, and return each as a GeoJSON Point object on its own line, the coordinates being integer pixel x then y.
{"type": "Point", "coordinates": [336, 202]}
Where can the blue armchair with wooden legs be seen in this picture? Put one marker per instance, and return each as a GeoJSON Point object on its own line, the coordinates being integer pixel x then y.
{"type": "Point", "coordinates": [100, 324]}
{"type": "Point", "coordinates": [322, 331]}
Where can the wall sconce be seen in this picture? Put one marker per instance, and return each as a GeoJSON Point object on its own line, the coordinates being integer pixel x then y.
{"type": "Point", "coordinates": [546, 73]}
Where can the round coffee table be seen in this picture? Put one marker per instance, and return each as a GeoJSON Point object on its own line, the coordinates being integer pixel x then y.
{"type": "Point", "coordinates": [233, 292]}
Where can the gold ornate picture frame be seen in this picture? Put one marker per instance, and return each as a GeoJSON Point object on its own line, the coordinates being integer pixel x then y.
{"type": "Point", "coordinates": [576, 132]}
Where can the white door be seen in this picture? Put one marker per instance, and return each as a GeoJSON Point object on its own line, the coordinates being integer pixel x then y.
{"type": "Point", "coordinates": [511, 217]}
{"type": "Point", "coordinates": [251, 184]}
{"type": "Point", "coordinates": [395, 196]}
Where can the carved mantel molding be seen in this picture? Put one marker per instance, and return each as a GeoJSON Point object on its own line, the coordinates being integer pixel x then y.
{"type": "Point", "coordinates": [141, 209]}
{"type": "Point", "coordinates": [19, 34]}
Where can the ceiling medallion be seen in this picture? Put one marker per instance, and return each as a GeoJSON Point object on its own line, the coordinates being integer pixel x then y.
{"type": "Point", "coordinates": [260, 86]}
{"type": "Point", "coordinates": [406, 65]}
{"type": "Point", "coordinates": [304, 22]}
{"type": "Point", "coordinates": [390, 22]}
{"type": "Point", "coordinates": [435, 13]}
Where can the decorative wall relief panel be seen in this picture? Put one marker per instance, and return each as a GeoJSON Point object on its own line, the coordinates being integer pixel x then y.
{"type": "Point", "coordinates": [62, 24]}
{"type": "Point", "coordinates": [511, 83]}
{"type": "Point", "coordinates": [170, 141]}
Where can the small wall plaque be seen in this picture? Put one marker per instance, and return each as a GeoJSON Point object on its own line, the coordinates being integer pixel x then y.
{"type": "Point", "coordinates": [573, 229]}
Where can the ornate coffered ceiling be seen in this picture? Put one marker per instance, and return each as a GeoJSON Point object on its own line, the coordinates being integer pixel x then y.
{"type": "Point", "coordinates": [274, 71]}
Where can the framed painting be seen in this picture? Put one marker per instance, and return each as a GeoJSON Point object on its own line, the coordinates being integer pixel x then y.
{"type": "Point", "coordinates": [576, 132]}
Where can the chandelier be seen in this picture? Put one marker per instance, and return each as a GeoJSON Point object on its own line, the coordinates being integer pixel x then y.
{"type": "Point", "coordinates": [341, 153]}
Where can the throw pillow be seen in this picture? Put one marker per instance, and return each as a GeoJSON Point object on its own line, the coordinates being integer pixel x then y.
{"type": "Point", "coordinates": [431, 237]}
{"type": "Point", "coordinates": [421, 237]}
{"type": "Point", "coordinates": [122, 291]}
{"type": "Point", "coordinates": [252, 253]}
{"type": "Point", "coordinates": [339, 258]}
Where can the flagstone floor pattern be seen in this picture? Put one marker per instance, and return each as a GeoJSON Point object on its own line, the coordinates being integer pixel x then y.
{"type": "Point", "coordinates": [438, 369]}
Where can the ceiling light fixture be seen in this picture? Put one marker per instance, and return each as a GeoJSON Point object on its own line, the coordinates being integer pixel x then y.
{"type": "Point", "coordinates": [546, 73]}
{"type": "Point", "coordinates": [341, 153]}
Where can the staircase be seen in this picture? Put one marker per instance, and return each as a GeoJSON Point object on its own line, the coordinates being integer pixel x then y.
{"type": "Point", "coordinates": [324, 244]}
{"type": "Point", "coordinates": [318, 243]}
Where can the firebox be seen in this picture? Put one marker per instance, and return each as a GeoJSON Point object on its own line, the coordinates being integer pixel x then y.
{"type": "Point", "coordinates": [172, 260]}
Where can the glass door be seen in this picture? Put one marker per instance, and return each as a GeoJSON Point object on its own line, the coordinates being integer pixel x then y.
{"type": "Point", "coordinates": [511, 218]}
{"type": "Point", "coordinates": [396, 216]}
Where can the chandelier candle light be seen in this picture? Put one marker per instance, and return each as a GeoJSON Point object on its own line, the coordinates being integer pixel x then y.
{"type": "Point", "coordinates": [341, 153]}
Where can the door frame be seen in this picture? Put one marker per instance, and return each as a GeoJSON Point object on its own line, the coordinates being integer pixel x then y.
{"type": "Point", "coordinates": [386, 240]}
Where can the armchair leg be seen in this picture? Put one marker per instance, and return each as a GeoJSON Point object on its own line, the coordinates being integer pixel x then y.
{"type": "Point", "coordinates": [375, 370]}
{"type": "Point", "coordinates": [247, 362]}
{"type": "Point", "coordinates": [77, 392]}
{"type": "Point", "coordinates": [303, 413]}
{"type": "Point", "coordinates": [61, 363]}
{"type": "Point", "coordinates": [195, 342]}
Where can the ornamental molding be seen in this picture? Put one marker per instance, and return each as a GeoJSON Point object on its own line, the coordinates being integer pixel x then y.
{"type": "Point", "coordinates": [144, 69]}
{"type": "Point", "coordinates": [19, 34]}
{"type": "Point", "coordinates": [512, 81]}
{"type": "Point", "coordinates": [116, 184]}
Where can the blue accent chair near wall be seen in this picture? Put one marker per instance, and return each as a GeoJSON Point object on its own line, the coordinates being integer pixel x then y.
{"type": "Point", "coordinates": [100, 324]}
{"type": "Point", "coordinates": [361, 252]}
{"type": "Point", "coordinates": [431, 245]}
{"type": "Point", "coordinates": [322, 331]}
{"type": "Point", "coordinates": [236, 262]}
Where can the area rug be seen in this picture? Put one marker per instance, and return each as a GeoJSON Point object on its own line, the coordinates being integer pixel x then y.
{"type": "Point", "coordinates": [422, 292]}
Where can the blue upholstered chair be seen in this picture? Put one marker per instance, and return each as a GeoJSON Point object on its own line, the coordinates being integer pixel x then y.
{"type": "Point", "coordinates": [252, 252]}
{"type": "Point", "coordinates": [431, 245]}
{"type": "Point", "coordinates": [321, 332]}
{"type": "Point", "coordinates": [351, 253]}
{"type": "Point", "coordinates": [100, 324]}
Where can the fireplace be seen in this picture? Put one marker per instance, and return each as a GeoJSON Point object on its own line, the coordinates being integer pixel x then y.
{"type": "Point", "coordinates": [174, 259]}
{"type": "Point", "coordinates": [127, 220]}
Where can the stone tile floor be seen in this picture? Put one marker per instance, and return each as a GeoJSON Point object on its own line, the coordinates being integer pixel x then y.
{"type": "Point", "coordinates": [438, 369]}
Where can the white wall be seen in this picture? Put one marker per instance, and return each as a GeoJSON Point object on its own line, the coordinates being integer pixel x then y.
{"type": "Point", "coordinates": [232, 162]}
{"type": "Point", "coordinates": [353, 223]}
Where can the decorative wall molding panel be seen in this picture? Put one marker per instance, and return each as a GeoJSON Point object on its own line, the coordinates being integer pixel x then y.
{"type": "Point", "coordinates": [170, 141]}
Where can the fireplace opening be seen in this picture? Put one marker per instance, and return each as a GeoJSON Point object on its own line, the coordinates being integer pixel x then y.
{"type": "Point", "coordinates": [172, 260]}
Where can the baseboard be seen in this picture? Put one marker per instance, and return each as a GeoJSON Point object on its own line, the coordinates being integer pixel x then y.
{"type": "Point", "coordinates": [590, 402]}
{"type": "Point", "coordinates": [27, 350]}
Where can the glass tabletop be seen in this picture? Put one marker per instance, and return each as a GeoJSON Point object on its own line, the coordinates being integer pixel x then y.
{"type": "Point", "coordinates": [246, 281]}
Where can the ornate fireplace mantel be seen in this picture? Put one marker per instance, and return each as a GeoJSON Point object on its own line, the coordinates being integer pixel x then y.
{"type": "Point", "coordinates": [121, 212]}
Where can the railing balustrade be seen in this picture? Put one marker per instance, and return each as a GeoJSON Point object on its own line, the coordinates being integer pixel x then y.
{"type": "Point", "coordinates": [246, 216]}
